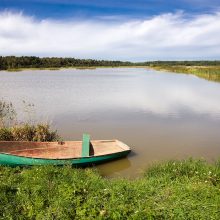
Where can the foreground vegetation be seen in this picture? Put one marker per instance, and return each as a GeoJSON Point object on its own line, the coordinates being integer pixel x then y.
{"type": "Point", "coordinates": [188, 189]}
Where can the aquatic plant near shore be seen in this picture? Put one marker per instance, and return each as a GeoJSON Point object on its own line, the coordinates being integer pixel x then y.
{"type": "Point", "coordinates": [26, 132]}
{"type": "Point", "coordinates": [7, 113]}
{"type": "Point", "coordinates": [11, 130]}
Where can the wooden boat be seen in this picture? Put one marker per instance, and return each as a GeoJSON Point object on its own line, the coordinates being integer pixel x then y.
{"type": "Point", "coordinates": [78, 153]}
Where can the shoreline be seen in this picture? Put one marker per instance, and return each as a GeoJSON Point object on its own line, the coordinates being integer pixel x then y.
{"type": "Point", "coordinates": [75, 67]}
{"type": "Point", "coordinates": [211, 73]}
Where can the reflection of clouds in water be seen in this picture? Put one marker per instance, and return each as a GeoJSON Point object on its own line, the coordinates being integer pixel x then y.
{"type": "Point", "coordinates": [83, 93]}
{"type": "Point", "coordinates": [179, 93]}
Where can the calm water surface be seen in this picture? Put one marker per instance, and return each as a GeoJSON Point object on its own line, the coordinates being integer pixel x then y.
{"type": "Point", "coordinates": [160, 115]}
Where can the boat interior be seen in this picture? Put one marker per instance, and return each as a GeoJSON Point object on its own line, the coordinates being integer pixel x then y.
{"type": "Point", "coordinates": [61, 150]}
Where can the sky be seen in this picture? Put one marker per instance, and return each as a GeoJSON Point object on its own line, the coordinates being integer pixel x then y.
{"type": "Point", "coordinates": [139, 30]}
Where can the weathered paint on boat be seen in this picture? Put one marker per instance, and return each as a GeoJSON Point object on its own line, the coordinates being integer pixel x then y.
{"type": "Point", "coordinates": [11, 159]}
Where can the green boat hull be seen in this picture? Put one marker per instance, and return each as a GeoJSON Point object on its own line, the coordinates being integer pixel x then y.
{"type": "Point", "coordinates": [12, 160]}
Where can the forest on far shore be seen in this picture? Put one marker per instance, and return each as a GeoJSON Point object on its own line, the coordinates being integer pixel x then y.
{"type": "Point", "coordinates": [13, 62]}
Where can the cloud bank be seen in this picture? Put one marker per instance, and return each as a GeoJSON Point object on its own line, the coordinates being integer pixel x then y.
{"type": "Point", "coordinates": [164, 37]}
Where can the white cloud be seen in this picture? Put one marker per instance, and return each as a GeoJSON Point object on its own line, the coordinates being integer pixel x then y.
{"type": "Point", "coordinates": [167, 36]}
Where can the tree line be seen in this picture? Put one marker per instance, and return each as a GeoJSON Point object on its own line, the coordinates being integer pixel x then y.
{"type": "Point", "coordinates": [13, 62]}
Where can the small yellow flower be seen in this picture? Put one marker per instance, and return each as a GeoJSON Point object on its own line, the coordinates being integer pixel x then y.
{"type": "Point", "coordinates": [103, 212]}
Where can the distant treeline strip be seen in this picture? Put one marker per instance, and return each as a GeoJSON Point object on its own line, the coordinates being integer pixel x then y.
{"type": "Point", "coordinates": [13, 62]}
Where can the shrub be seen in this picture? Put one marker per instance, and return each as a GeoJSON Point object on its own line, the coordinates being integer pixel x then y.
{"type": "Point", "coordinates": [6, 134]}
{"type": "Point", "coordinates": [25, 132]}
{"type": "Point", "coordinates": [43, 133]}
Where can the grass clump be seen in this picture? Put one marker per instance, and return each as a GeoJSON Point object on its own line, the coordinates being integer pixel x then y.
{"type": "Point", "coordinates": [207, 72]}
{"type": "Point", "coordinates": [26, 132]}
{"type": "Point", "coordinates": [5, 134]}
{"type": "Point", "coordinates": [173, 190]}
{"type": "Point", "coordinates": [11, 130]}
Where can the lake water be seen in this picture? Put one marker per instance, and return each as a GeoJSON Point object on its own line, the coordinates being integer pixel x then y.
{"type": "Point", "coordinates": [159, 115]}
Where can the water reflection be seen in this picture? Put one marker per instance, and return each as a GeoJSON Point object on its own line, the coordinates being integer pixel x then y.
{"type": "Point", "coordinates": [91, 91]}
{"type": "Point", "coordinates": [160, 115]}
{"type": "Point", "coordinates": [114, 168]}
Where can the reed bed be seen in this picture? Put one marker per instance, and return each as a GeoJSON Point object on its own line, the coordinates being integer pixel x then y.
{"type": "Point", "coordinates": [207, 72]}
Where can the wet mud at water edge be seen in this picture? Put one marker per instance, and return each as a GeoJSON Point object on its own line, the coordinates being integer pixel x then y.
{"type": "Point", "coordinates": [159, 115]}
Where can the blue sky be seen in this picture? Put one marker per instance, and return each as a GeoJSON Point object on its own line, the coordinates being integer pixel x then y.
{"type": "Point", "coordinates": [125, 29]}
{"type": "Point", "coordinates": [92, 8]}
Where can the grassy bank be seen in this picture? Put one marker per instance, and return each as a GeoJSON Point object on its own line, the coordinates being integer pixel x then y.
{"type": "Point", "coordinates": [207, 72]}
{"type": "Point", "coordinates": [187, 189]}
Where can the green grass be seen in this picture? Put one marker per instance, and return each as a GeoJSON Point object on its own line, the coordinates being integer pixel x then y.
{"type": "Point", "coordinates": [207, 72]}
{"type": "Point", "coordinates": [188, 189]}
